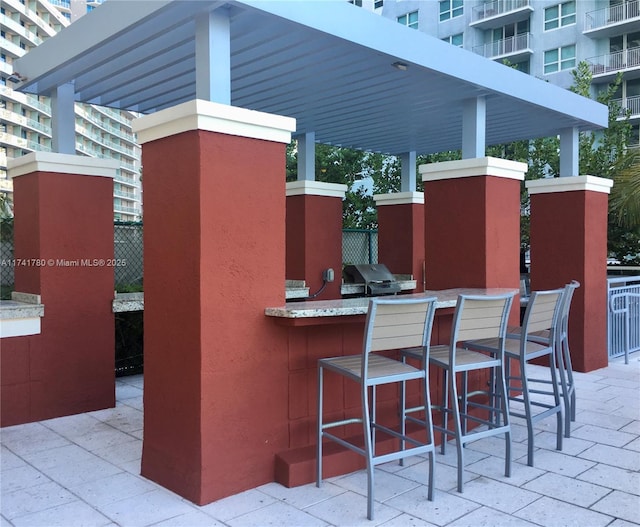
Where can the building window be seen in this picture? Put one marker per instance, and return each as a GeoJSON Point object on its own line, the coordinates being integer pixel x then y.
{"type": "Point", "coordinates": [560, 15]}
{"type": "Point", "coordinates": [378, 4]}
{"type": "Point", "coordinates": [625, 41]}
{"type": "Point", "coordinates": [356, 2]}
{"type": "Point", "coordinates": [454, 40]}
{"type": "Point", "coordinates": [634, 140]}
{"type": "Point", "coordinates": [409, 20]}
{"type": "Point", "coordinates": [559, 59]}
{"type": "Point", "coordinates": [450, 9]}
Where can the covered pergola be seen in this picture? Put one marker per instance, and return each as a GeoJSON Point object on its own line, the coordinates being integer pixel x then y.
{"type": "Point", "coordinates": [221, 86]}
{"type": "Point", "coordinates": [351, 77]}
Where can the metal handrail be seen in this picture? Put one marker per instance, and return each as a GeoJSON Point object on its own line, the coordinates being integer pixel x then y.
{"type": "Point", "coordinates": [624, 309]}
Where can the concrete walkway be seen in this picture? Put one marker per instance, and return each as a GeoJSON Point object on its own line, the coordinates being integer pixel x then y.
{"type": "Point", "coordinates": [83, 470]}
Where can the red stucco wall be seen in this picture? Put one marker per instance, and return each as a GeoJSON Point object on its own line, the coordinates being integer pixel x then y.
{"type": "Point", "coordinates": [472, 232]}
{"type": "Point", "coordinates": [314, 241]}
{"type": "Point", "coordinates": [401, 240]}
{"type": "Point", "coordinates": [215, 367]}
{"type": "Point", "coordinates": [569, 242]}
{"type": "Point", "coordinates": [69, 367]}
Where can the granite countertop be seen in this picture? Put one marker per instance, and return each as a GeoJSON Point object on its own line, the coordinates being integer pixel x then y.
{"type": "Point", "coordinates": [447, 298]}
{"type": "Point", "coordinates": [21, 305]}
{"type": "Point", "coordinates": [125, 302]}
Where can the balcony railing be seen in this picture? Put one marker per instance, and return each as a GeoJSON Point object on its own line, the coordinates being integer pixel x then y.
{"type": "Point", "coordinates": [629, 104]}
{"type": "Point", "coordinates": [20, 30]}
{"type": "Point", "coordinates": [25, 99]}
{"type": "Point", "coordinates": [124, 194]}
{"type": "Point", "coordinates": [504, 47]}
{"type": "Point", "coordinates": [497, 8]}
{"type": "Point", "coordinates": [613, 62]}
{"type": "Point", "coordinates": [612, 15]}
{"type": "Point", "coordinates": [125, 208]}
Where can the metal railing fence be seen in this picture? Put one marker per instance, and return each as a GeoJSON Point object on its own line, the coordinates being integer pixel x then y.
{"type": "Point", "coordinates": [496, 8]}
{"type": "Point", "coordinates": [612, 15]}
{"type": "Point", "coordinates": [504, 46]}
{"type": "Point", "coordinates": [359, 246]}
{"type": "Point", "coordinates": [623, 320]}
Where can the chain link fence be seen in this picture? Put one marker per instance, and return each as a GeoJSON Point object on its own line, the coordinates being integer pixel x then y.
{"type": "Point", "coordinates": [128, 254]}
{"type": "Point", "coordinates": [359, 246]}
{"type": "Point", "coordinates": [6, 258]}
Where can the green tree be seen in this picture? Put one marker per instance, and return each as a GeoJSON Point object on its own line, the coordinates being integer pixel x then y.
{"type": "Point", "coordinates": [606, 154]}
{"type": "Point", "coordinates": [603, 153]}
{"type": "Point", "coordinates": [624, 211]}
{"type": "Point", "coordinates": [625, 194]}
{"type": "Point", "coordinates": [6, 205]}
{"type": "Point", "coordinates": [364, 173]}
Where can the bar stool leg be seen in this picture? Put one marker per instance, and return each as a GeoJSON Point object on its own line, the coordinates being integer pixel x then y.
{"type": "Point", "coordinates": [367, 427]}
{"type": "Point", "coordinates": [319, 431]}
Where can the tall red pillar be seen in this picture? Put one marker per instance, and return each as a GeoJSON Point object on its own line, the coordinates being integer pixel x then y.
{"type": "Point", "coordinates": [215, 394]}
{"type": "Point", "coordinates": [314, 234]}
{"type": "Point", "coordinates": [63, 232]}
{"type": "Point", "coordinates": [472, 223]}
{"type": "Point", "coordinates": [569, 242]}
{"type": "Point", "coordinates": [401, 234]}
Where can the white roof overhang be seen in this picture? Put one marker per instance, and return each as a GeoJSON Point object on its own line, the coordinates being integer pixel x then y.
{"type": "Point", "coordinates": [326, 63]}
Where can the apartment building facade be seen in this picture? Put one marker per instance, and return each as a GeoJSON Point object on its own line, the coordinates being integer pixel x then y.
{"type": "Point", "coordinates": [25, 120]}
{"type": "Point", "coordinates": [544, 38]}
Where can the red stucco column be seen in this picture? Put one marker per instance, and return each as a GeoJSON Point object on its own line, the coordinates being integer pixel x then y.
{"type": "Point", "coordinates": [63, 234]}
{"type": "Point", "coordinates": [215, 395]}
{"type": "Point", "coordinates": [314, 234]}
{"type": "Point", "coordinates": [472, 223]}
{"type": "Point", "coordinates": [401, 233]}
{"type": "Point", "coordinates": [569, 242]}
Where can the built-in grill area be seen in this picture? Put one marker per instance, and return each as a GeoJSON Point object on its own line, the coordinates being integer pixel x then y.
{"type": "Point", "coordinates": [377, 279]}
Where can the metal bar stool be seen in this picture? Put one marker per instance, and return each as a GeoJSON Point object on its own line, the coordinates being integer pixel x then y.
{"type": "Point", "coordinates": [391, 323]}
{"type": "Point", "coordinates": [536, 338]}
{"type": "Point", "coordinates": [476, 317]}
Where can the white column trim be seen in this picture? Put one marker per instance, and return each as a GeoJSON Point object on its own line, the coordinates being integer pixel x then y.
{"type": "Point", "coordinates": [19, 327]}
{"type": "Point", "coordinates": [307, 156]}
{"type": "Point", "coordinates": [569, 152]}
{"type": "Point", "coordinates": [569, 184]}
{"type": "Point", "coordinates": [213, 117]}
{"type": "Point", "coordinates": [316, 188]}
{"type": "Point", "coordinates": [408, 171]}
{"type": "Point", "coordinates": [213, 57]}
{"type": "Point", "coordinates": [474, 124]}
{"type": "Point", "coordinates": [62, 164]}
{"type": "Point", "coordinates": [481, 166]}
{"type": "Point", "coordinates": [399, 198]}
{"type": "Point", "coordinates": [63, 119]}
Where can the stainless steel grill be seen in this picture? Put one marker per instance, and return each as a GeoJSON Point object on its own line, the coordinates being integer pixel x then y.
{"type": "Point", "coordinates": [377, 279]}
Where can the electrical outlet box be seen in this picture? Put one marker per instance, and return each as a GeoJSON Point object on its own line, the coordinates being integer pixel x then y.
{"type": "Point", "coordinates": [328, 275]}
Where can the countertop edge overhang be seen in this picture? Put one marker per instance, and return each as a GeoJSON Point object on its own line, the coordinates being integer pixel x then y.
{"type": "Point", "coordinates": [350, 307]}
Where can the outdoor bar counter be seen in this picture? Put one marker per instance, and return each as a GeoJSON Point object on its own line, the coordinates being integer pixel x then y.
{"type": "Point", "coordinates": [325, 328]}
